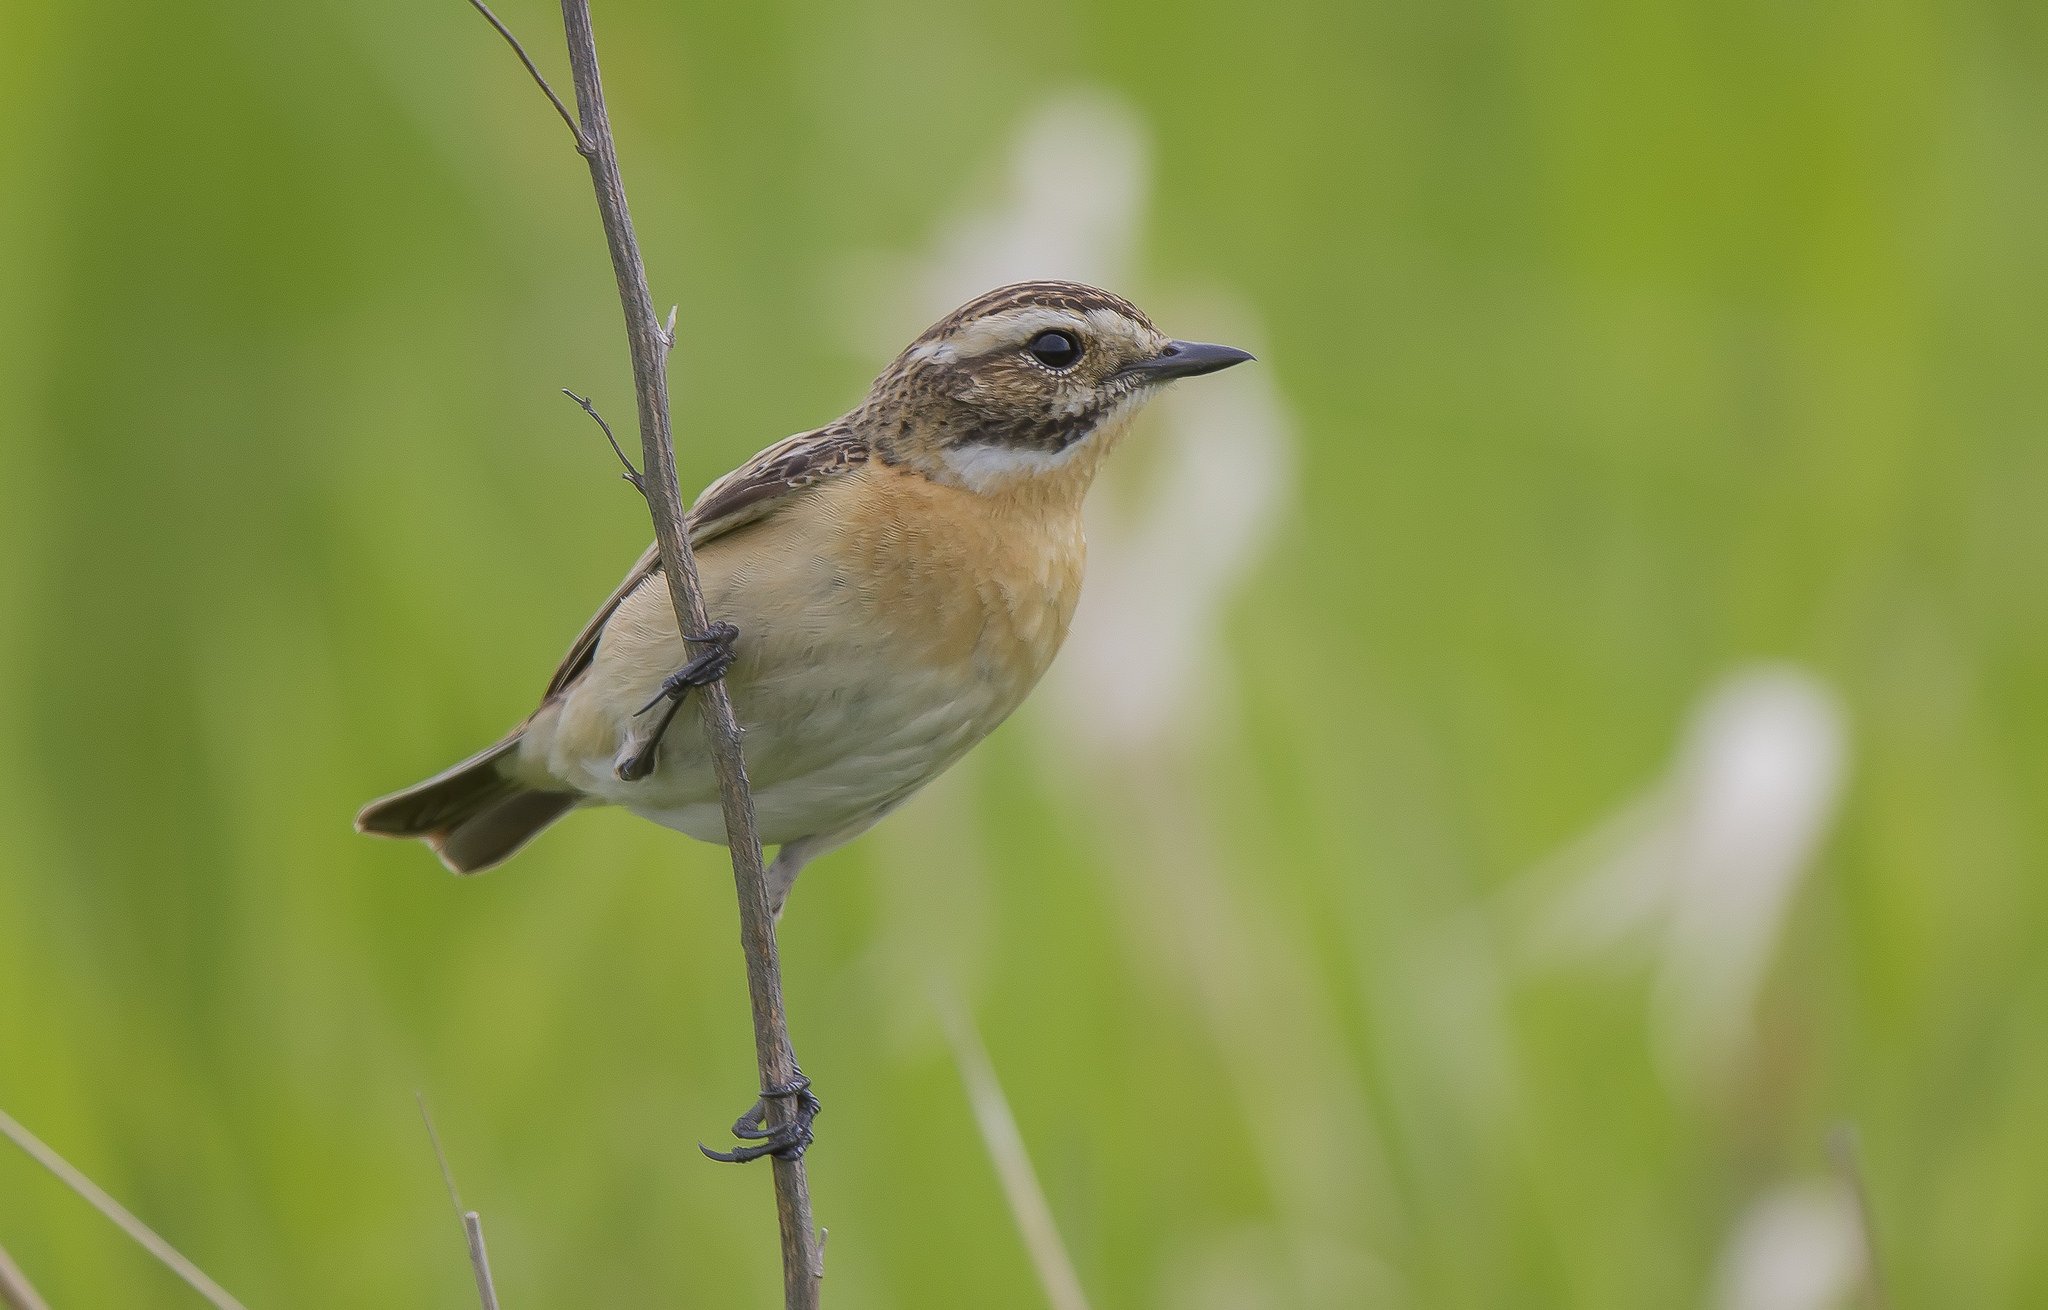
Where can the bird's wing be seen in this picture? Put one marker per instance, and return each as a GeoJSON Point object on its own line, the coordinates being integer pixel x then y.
{"type": "Point", "coordinates": [773, 479]}
{"type": "Point", "coordinates": [585, 645]}
{"type": "Point", "coordinates": [756, 489]}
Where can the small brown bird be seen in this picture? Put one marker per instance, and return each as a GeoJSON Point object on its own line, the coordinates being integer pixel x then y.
{"type": "Point", "coordinates": [895, 584]}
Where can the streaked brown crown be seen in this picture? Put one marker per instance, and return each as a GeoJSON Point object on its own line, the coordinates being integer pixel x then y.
{"type": "Point", "coordinates": [1078, 297]}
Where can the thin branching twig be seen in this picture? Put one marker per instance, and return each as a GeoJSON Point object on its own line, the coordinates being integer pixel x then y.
{"type": "Point", "coordinates": [16, 1293]}
{"type": "Point", "coordinates": [582, 146]}
{"type": "Point", "coordinates": [141, 1233]}
{"type": "Point", "coordinates": [1013, 1163]}
{"type": "Point", "coordinates": [472, 1222]}
{"type": "Point", "coordinates": [631, 474]}
{"type": "Point", "coordinates": [649, 340]}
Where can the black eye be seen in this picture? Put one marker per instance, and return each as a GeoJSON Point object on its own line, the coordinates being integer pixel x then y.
{"type": "Point", "coordinates": [1056, 349]}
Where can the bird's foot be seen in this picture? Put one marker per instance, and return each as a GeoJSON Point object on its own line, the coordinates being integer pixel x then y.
{"type": "Point", "coordinates": [701, 671]}
{"type": "Point", "coordinates": [636, 760]}
{"type": "Point", "coordinates": [786, 1141]}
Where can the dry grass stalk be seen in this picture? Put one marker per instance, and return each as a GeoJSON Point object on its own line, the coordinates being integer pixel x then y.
{"type": "Point", "coordinates": [117, 1214]}
{"type": "Point", "coordinates": [15, 1291]}
{"type": "Point", "coordinates": [472, 1222]}
{"type": "Point", "coordinates": [1013, 1163]}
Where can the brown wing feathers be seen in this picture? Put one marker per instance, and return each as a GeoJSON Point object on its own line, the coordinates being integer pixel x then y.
{"type": "Point", "coordinates": [749, 493]}
{"type": "Point", "coordinates": [758, 487]}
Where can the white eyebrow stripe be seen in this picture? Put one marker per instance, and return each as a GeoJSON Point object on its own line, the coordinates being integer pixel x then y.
{"type": "Point", "coordinates": [1112, 324]}
{"type": "Point", "coordinates": [1012, 327]}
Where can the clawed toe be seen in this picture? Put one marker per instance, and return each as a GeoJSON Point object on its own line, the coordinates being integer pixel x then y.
{"type": "Point", "coordinates": [636, 760]}
{"type": "Point", "coordinates": [786, 1141]}
{"type": "Point", "coordinates": [702, 671]}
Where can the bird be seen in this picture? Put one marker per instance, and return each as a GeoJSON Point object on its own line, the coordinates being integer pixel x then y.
{"type": "Point", "coordinates": [888, 588]}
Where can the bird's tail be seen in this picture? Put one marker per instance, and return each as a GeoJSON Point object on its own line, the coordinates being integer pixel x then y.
{"type": "Point", "coordinates": [474, 815]}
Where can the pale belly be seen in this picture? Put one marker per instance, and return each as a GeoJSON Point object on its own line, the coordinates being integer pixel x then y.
{"type": "Point", "coordinates": [834, 730]}
{"type": "Point", "coordinates": [821, 756]}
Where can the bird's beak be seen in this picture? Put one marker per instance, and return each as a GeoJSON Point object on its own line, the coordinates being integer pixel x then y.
{"type": "Point", "coordinates": [1186, 359]}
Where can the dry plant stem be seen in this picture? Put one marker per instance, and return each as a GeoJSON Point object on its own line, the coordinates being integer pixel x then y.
{"type": "Point", "coordinates": [1005, 1145]}
{"type": "Point", "coordinates": [479, 1259]}
{"type": "Point", "coordinates": [15, 1292]}
{"type": "Point", "coordinates": [139, 1232]}
{"type": "Point", "coordinates": [472, 1222]}
{"type": "Point", "coordinates": [649, 341]}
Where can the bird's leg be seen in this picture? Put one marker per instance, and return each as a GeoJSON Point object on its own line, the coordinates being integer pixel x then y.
{"type": "Point", "coordinates": [788, 1141]}
{"type": "Point", "coordinates": [702, 671]}
{"type": "Point", "coordinates": [636, 758]}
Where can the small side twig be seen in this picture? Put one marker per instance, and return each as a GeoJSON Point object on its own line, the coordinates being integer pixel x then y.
{"type": "Point", "coordinates": [472, 1222]}
{"type": "Point", "coordinates": [1006, 1149]}
{"type": "Point", "coordinates": [15, 1291]}
{"type": "Point", "coordinates": [631, 474]}
{"type": "Point", "coordinates": [582, 146]}
{"type": "Point", "coordinates": [117, 1214]}
{"type": "Point", "coordinates": [1846, 1152]}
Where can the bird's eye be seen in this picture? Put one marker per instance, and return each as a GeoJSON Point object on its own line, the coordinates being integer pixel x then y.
{"type": "Point", "coordinates": [1056, 349]}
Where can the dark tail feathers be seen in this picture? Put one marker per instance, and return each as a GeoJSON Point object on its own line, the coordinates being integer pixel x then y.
{"type": "Point", "coordinates": [473, 815]}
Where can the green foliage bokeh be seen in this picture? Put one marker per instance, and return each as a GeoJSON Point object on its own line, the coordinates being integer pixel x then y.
{"type": "Point", "coordinates": [1627, 343]}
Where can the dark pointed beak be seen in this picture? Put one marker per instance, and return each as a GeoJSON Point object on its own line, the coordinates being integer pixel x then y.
{"type": "Point", "coordinates": [1187, 359]}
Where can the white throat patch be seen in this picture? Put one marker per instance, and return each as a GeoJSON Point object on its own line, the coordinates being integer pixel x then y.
{"type": "Point", "coordinates": [987, 466]}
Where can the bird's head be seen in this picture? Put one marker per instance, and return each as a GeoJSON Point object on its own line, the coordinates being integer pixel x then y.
{"type": "Point", "coordinates": [1029, 381]}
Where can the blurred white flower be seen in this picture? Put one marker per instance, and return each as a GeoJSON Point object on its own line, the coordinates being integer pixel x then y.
{"type": "Point", "coordinates": [1140, 667]}
{"type": "Point", "coordinates": [1176, 525]}
{"type": "Point", "coordinates": [1077, 175]}
{"type": "Point", "coordinates": [1702, 868]}
{"type": "Point", "coordinates": [1073, 187]}
{"type": "Point", "coordinates": [1797, 1248]}
{"type": "Point", "coordinates": [1164, 558]}
{"type": "Point", "coordinates": [1070, 205]}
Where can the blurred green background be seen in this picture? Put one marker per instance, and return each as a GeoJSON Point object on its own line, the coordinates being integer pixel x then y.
{"type": "Point", "coordinates": [1607, 349]}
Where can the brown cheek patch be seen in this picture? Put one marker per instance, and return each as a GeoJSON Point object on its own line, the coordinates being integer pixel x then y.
{"type": "Point", "coordinates": [1011, 407]}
